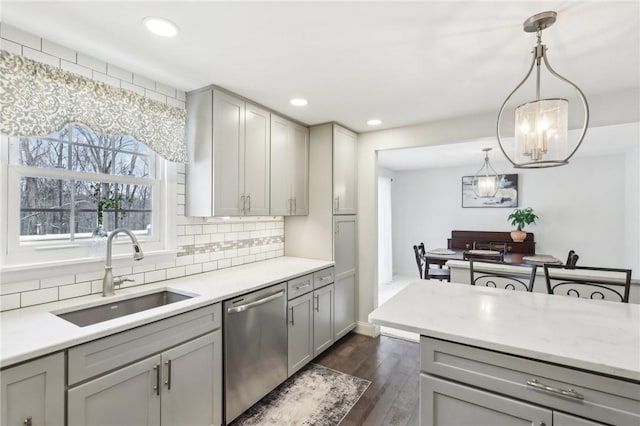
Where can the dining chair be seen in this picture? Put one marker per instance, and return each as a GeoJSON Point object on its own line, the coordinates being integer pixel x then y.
{"type": "Point", "coordinates": [572, 259]}
{"type": "Point", "coordinates": [588, 282]}
{"type": "Point", "coordinates": [502, 275]}
{"type": "Point", "coordinates": [419, 260]}
{"type": "Point", "coordinates": [437, 271]}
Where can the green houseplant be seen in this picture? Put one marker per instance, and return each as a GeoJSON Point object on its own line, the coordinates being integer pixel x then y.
{"type": "Point", "coordinates": [520, 218]}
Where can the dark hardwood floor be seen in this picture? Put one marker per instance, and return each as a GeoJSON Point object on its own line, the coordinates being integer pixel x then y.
{"type": "Point", "coordinates": [392, 366]}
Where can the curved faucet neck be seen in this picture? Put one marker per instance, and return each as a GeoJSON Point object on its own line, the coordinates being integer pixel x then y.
{"type": "Point", "coordinates": [110, 242]}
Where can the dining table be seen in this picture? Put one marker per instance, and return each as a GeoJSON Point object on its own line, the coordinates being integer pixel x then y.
{"type": "Point", "coordinates": [442, 256]}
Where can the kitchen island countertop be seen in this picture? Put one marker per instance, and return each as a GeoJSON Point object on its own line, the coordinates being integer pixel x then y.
{"type": "Point", "coordinates": [597, 336]}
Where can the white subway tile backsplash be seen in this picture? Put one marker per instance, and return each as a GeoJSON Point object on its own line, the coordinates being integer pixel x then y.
{"type": "Point", "coordinates": [89, 276]}
{"type": "Point", "coordinates": [60, 51]}
{"type": "Point", "coordinates": [180, 178]}
{"type": "Point", "coordinates": [91, 62]}
{"type": "Point", "coordinates": [148, 267]}
{"type": "Point", "coordinates": [96, 286]}
{"type": "Point", "coordinates": [119, 73]}
{"type": "Point", "coordinates": [209, 266]}
{"type": "Point", "coordinates": [237, 261]}
{"type": "Point", "coordinates": [166, 265]}
{"type": "Point", "coordinates": [236, 227]}
{"type": "Point", "coordinates": [18, 287]}
{"type": "Point", "coordinates": [195, 268]}
{"type": "Point", "coordinates": [224, 227]}
{"type": "Point", "coordinates": [230, 236]}
{"type": "Point", "coordinates": [180, 197]}
{"type": "Point", "coordinates": [75, 290]}
{"type": "Point", "coordinates": [201, 257]}
{"type": "Point", "coordinates": [76, 69]}
{"type": "Point", "coordinates": [176, 103]}
{"type": "Point", "coordinates": [183, 240]}
{"type": "Point", "coordinates": [260, 256]}
{"type": "Point", "coordinates": [261, 225]}
{"type": "Point", "coordinates": [230, 253]}
{"type": "Point", "coordinates": [176, 272]}
{"type": "Point", "coordinates": [202, 239]}
{"type": "Point", "coordinates": [224, 263]}
{"type": "Point", "coordinates": [243, 251]}
{"type": "Point", "coordinates": [184, 260]}
{"type": "Point", "coordinates": [216, 255]}
{"type": "Point", "coordinates": [132, 88]}
{"type": "Point", "coordinates": [147, 83]}
{"type": "Point", "coordinates": [36, 297]}
{"type": "Point", "coordinates": [216, 238]}
{"type": "Point", "coordinates": [9, 301]}
{"type": "Point", "coordinates": [18, 36]}
{"type": "Point", "coordinates": [123, 270]}
{"type": "Point", "coordinates": [45, 58]}
{"type": "Point", "coordinates": [249, 226]}
{"type": "Point", "coordinates": [209, 229]}
{"type": "Point", "coordinates": [249, 258]}
{"type": "Point", "coordinates": [57, 281]}
{"type": "Point", "coordinates": [10, 46]}
{"type": "Point", "coordinates": [155, 96]}
{"type": "Point", "coordinates": [244, 235]}
{"type": "Point", "coordinates": [166, 90]}
{"type": "Point", "coordinates": [111, 81]}
{"type": "Point", "coordinates": [179, 230]}
{"type": "Point", "coordinates": [153, 276]}
{"type": "Point", "coordinates": [193, 229]}
{"type": "Point", "coordinates": [181, 219]}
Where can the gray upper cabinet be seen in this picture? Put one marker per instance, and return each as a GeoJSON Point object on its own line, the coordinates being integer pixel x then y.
{"type": "Point", "coordinates": [33, 393]}
{"type": "Point", "coordinates": [228, 142]}
{"type": "Point", "coordinates": [345, 166]}
{"type": "Point", "coordinates": [289, 168]}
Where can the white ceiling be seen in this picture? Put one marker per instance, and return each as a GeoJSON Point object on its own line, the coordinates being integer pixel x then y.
{"type": "Point", "coordinates": [404, 63]}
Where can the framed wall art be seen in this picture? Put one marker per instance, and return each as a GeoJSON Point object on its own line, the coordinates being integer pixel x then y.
{"type": "Point", "coordinates": [507, 195]}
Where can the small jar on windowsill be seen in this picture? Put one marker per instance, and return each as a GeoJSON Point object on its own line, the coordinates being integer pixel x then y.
{"type": "Point", "coordinates": [98, 245]}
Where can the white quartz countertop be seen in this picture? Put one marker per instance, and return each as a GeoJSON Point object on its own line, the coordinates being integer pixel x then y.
{"type": "Point", "coordinates": [31, 332]}
{"type": "Point", "coordinates": [599, 336]}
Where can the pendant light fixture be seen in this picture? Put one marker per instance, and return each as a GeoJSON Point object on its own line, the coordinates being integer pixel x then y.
{"type": "Point", "coordinates": [486, 181]}
{"type": "Point", "coordinates": [541, 126]}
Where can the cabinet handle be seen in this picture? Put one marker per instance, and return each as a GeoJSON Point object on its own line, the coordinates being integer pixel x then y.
{"type": "Point", "coordinates": [249, 197]}
{"type": "Point", "coordinates": [157, 386]}
{"type": "Point", "coordinates": [307, 284]}
{"type": "Point", "coordinates": [292, 322]}
{"type": "Point", "coordinates": [242, 203]}
{"type": "Point", "coordinates": [317, 298]}
{"type": "Point", "coordinates": [541, 386]}
{"type": "Point", "coordinates": [168, 382]}
{"type": "Point", "coordinates": [28, 421]}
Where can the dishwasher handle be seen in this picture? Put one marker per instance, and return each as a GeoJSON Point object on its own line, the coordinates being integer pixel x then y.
{"type": "Point", "coordinates": [258, 302]}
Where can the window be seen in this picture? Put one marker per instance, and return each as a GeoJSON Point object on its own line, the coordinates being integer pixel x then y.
{"type": "Point", "coordinates": [62, 186]}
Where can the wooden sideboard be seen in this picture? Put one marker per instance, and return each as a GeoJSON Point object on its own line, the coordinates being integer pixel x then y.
{"type": "Point", "coordinates": [463, 240]}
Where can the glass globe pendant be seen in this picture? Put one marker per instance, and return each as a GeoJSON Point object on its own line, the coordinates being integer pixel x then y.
{"type": "Point", "coordinates": [541, 126]}
{"type": "Point", "coordinates": [486, 181]}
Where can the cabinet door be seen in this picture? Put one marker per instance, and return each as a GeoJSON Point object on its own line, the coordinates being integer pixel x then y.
{"type": "Point", "coordinates": [444, 403]}
{"type": "Point", "coordinates": [300, 334]}
{"type": "Point", "coordinates": [323, 318]}
{"type": "Point", "coordinates": [228, 139]}
{"type": "Point", "coordinates": [199, 170]}
{"type": "Point", "coordinates": [256, 160]}
{"type": "Point", "coordinates": [345, 274]}
{"type": "Point", "coordinates": [299, 149]}
{"type": "Point", "coordinates": [192, 383]}
{"type": "Point", "coordinates": [281, 198]}
{"type": "Point", "coordinates": [129, 396]}
{"type": "Point", "coordinates": [345, 162]}
{"type": "Point", "coordinates": [35, 391]}
{"type": "Point", "coordinates": [562, 419]}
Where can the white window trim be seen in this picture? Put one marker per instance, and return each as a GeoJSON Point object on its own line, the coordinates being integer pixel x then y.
{"type": "Point", "coordinates": [29, 261]}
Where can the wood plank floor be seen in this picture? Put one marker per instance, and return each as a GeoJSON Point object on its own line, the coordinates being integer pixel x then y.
{"type": "Point", "coordinates": [392, 366]}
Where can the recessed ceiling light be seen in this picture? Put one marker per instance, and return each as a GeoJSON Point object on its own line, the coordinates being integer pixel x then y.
{"type": "Point", "coordinates": [298, 102]}
{"type": "Point", "coordinates": [160, 26]}
{"type": "Point", "coordinates": [374, 122]}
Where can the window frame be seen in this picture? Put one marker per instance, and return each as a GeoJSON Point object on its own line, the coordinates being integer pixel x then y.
{"type": "Point", "coordinates": [64, 255]}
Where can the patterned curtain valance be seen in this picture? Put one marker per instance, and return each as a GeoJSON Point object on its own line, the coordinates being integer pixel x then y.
{"type": "Point", "coordinates": [37, 99]}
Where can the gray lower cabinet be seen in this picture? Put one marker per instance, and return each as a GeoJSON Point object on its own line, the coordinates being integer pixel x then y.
{"type": "Point", "coordinates": [345, 301]}
{"type": "Point", "coordinates": [345, 255]}
{"type": "Point", "coordinates": [33, 393]}
{"type": "Point", "coordinates": [323, 317]}
{"type": "Point", "coordinates": [467, 385]}
{"type": "Point", "coordinates": [180, 386]}
{"type": "Point", "coordinates": [447, 403]}
{"type": "Point", "coordinates": [300, 334]}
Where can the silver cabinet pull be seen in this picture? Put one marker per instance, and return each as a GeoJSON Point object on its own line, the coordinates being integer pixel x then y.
{"type": "Point", "coordinates": [242, 203]}
{"type": "Point", "coordinates": [249, 197]}
{"type": "Point", "coordinates": [292, 322]}
{"type": "Point", "coordinates": [168, 381]}
{"type": "Point", "coordinates": [307, 284]}
{"type": "Point", "coordinates": [557, 391]}
{"type": "Point", "coordinates": [28, 421]}
{"type": "Point", "coordinates": [317, 297]}
{"type": "Point", "coordinates": [157, 385]}
{"type": "Point", "coordinates": [326, 277]}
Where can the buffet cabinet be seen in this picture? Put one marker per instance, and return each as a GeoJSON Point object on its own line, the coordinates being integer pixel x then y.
{"type": "Point", "coordinates": [464, 385]}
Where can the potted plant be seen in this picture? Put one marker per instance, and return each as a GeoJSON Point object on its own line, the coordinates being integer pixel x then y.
{"type": "Point", "coordinates": [520, 218]}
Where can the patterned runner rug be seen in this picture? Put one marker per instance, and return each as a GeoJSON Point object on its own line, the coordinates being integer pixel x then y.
{"type": "Point", "coordinates": [315, 395]}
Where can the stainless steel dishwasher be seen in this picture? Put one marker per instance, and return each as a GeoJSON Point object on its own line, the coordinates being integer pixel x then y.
{"type": "Point", "coordinates": [255, 347]}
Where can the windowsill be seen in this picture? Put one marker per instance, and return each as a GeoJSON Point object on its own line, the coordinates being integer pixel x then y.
{"type": "Point", "coordinates": [24, 272]}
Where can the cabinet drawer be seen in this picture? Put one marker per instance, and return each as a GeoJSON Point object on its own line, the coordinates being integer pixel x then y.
{"type": "Point", "coordinates": [299, 286]}
{"type": "Point", "coordinates": [605, 399]}
{"type": "Point", "coordinates": [322, 278]}
{"type": "Point", "coordinates": [97, 357]}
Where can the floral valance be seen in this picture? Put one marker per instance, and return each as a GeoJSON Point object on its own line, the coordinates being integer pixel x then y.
{"type": "Point", "coordinates": [37, 99]}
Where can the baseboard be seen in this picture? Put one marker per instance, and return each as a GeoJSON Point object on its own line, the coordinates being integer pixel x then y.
{"type": "Point", "coordinates": [367, 329]}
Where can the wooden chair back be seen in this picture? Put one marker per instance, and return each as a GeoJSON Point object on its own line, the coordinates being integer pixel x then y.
{"type": "Point", "coordinates": [419, 260]}
{"type": "Point", "coordinates": [588, 282]}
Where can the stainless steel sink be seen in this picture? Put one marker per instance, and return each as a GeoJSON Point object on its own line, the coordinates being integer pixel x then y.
{"type": "Point", "coordinates": [95, 314]}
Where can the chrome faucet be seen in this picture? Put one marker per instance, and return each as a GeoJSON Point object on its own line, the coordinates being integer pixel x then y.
{"type": "Point", "coordinates": [108, 282]}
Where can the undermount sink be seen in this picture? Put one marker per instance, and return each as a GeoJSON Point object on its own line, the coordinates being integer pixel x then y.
{"type": "Point", "coordinates": [95, 314]}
